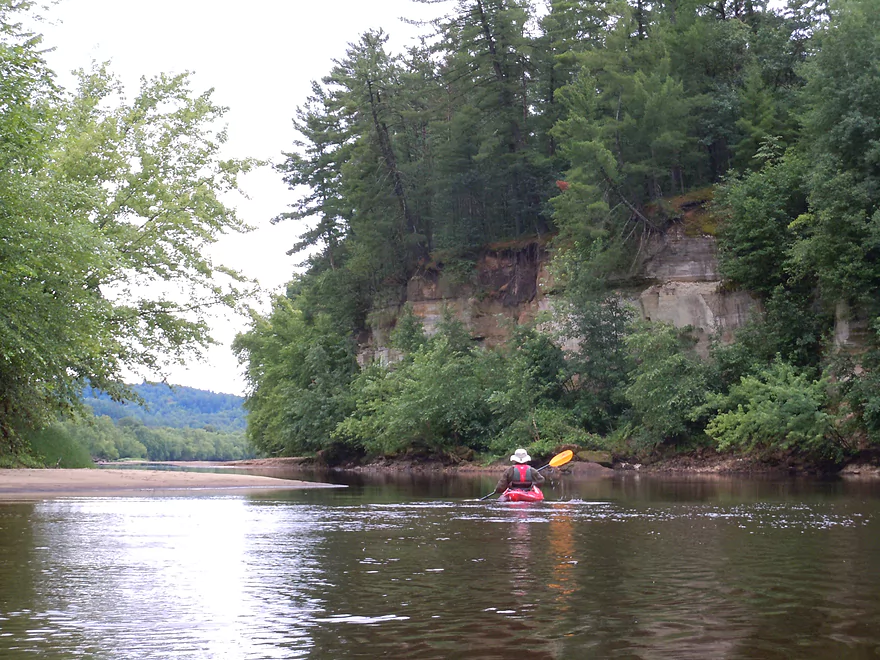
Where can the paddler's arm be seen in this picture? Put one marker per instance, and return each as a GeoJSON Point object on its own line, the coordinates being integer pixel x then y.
{"type": "Point", "coordinates": [503, 482]}
{"type": "Point", "coordinates": [537, 477]}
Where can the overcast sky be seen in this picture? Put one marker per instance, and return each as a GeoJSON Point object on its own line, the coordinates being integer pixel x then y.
{"type": "Point", "coordinates": [260, 57]}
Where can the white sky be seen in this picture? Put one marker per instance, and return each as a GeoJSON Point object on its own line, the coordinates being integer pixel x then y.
{"type": "Point", "coordinates": [260, 57]}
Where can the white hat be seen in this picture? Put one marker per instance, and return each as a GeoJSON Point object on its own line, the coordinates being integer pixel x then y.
{"type": "Point", "coordinates": [521, 456]}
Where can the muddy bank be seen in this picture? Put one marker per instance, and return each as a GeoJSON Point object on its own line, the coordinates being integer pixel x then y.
{"type": "Point", "coordinates": [38, 484]}
{"type": "Point", "coordinates": [414, 465]}
{"type": "Point", "coordinates": [705, 462]}
{"type": "Point", "coordinates": [865, 464]}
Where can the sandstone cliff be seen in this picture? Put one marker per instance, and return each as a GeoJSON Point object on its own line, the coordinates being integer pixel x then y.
{"type": "Point", "coordinates": [677, 282]}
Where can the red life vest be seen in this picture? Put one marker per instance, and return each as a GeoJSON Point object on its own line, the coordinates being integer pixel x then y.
{"type": "Point", "coordinates": [521, 477]}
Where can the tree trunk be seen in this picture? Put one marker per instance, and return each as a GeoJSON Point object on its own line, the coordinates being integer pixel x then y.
{"type": "Point", "coordinates": [390, 159]}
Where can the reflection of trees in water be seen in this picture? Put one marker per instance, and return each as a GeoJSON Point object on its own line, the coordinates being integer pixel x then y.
{"type": "Point", "coordinates": [520, 550]}
{"type": "Point", "coordinates": [561, 545]}
{"type": "Point", "coordinates": [412, 482]}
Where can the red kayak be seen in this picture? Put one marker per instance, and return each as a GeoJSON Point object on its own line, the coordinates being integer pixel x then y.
{"type": "Point", "coordinates": [532, 494]}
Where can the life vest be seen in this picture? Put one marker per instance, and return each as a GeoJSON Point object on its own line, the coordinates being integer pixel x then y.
{"type": "Point", "coordinates": [521, 477]}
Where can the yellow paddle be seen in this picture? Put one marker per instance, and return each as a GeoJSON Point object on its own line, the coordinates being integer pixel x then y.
{"type": "Point", "coordinates": [560, 459]}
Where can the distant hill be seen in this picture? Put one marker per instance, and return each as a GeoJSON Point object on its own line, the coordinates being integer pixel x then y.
{"type": "Point", "coordinates": [176, 407]}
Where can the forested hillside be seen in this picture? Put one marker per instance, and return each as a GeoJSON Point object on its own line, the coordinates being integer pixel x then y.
{"type": "Point", "coordinates": [176, 407]}
{"type": "Point", "coordinates": [587, 122]}
{"type": "Point", "coordinates": [169, 424]}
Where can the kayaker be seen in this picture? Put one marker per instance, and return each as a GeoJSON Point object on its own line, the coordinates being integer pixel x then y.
{"type": "Point", "coordinates": [521, 475]}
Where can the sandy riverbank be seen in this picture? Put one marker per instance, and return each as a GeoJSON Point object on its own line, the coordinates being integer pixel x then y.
{"type": "Point", "coordinates": [39, 484]}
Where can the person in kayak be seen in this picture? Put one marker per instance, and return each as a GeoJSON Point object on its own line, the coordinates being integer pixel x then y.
{"type": "Point", "coordinates": [521, 475]}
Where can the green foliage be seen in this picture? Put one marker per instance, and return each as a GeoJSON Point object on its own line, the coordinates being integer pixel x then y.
{"type": "Point", "coordinates": [667, 384]}
{"type": "Point", "coordinates": [597, 320]}
{"type": "Point", "coordinates": [436, 401]}
{"type": "Point", "coordinates": [408, 334]}
{"type": "Point", "coordinates": [857, 390]}
{"type": "Point", "coordinates": [841, 233]}
{"type": "Point", "coordinates": [106, 208]}
{"type": "Point", "coordinates": [129, 438]}
{"type": "Point", "coordinates": [299, 367]}
{"type": "Point", "coordinates": [543, 431]}
{"type": "Point", "coordinates": [533, 402]}
{"type": "Point", "coordinates": [103, 439]}
{"type": "Point", "coordinates": [184, 444]}
{"type": "Point", "coordinates": [174, 406]}
{"type": "Point", "coordinates": [756, 238]}
{"type": "Point", "coordinates": [53, 446]}
{"type": "Point", "coordinates": [778, 408]}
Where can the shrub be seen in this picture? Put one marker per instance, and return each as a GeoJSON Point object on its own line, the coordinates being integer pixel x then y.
{"type": "Point", "coordinates": [55, 447]}
{"type": "Point", "coordinates": [779, 408]}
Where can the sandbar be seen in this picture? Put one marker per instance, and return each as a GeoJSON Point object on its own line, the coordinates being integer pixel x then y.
{"type": "Point", "coordinates": [49, 483]}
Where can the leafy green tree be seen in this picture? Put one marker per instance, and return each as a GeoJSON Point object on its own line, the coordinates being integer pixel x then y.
{"type": "Point", "coordinates": [409, 333]}
{"type": "Point", "coordinates": [103, 439]}
{"type": "Point", "coordinates": [50, 262]}
{"type": "Point", "coordinates": [756, 238]}
{"type": "Point", "coordinates": [534, 402]}
{"type": "Point", "coordinates": [156, 179]}
{"type": "Point", "coordinates": [841, 233]}
{"type": "Point", "coordinates": [299, 371]}
{"type": "Point", "coordinates": [667, 385]}
{"type": "Point", "coordinates": [434, 403]}
{"type": "Point", "coordinates": [597, 320]}
{"type": "Point", "coordinates": [107, 207]}
{"type": "Point", "coordinates": [54, 447]}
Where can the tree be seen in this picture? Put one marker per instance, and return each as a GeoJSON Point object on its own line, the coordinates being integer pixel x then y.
{"type": "Point", "coordinates": [107, 209]}
{"type": "Point", "coordinates": [491, 184]}
{"type": "Point", "coordinates": [841, 233]}
{"type": "Point", "coordinates": [316, 165]}
{"type": "Point", "coordinates": [756, 238]}
{"type": "Point", "coordinates": [435, 402]}
{"type": "Point", "coordinates": [597, 320]}
{"type": "Point", "coordinates": [779, 408]}
{"type": "Point", "coordinates": [51, 259]}
{"type": "Point", "coordinates": [299, 369]}
{"type": "Point", "coordinates": [667, 384]}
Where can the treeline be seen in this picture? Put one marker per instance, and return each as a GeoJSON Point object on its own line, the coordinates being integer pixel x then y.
{"type": "Point", "coordinates": [102, 439]}
{"type": "Point", "coordinates": [177, 407]}
{"type": "Point", "coordinates": [585, 121]}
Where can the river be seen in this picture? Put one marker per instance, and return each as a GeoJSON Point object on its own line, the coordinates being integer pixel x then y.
{"type": "Point", "coordinates": [414, 567]}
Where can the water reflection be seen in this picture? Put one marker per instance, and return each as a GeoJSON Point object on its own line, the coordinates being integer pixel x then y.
{"type": "Point", "coordinates": [629, 567]}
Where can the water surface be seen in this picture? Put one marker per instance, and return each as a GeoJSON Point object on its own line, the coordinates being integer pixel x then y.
{"type": "Point", "coordinates": [407, 566]}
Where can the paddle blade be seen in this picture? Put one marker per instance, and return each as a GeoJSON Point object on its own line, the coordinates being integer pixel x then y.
{"type": "Point", "coordinates": [561, 458]}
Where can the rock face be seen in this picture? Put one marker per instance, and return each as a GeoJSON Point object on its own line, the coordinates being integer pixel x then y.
{"type": "Point", "coordinates": [686, 289]}
{"type": "Point", "coordinates": [508, 284]}
{"type": "Point", "coordinates": [679, 276]}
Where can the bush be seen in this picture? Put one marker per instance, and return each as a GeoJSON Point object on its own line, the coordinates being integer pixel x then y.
{"type": "Point", "coordinates": [53, 446]}
{"type": "Point", "coordinates": [437, 401]}
{"type": "Point", "coordinates": [779, 408]}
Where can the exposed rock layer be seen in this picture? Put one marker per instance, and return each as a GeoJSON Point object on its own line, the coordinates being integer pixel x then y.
{"type": "Point", "coordinates": [680, 284]}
